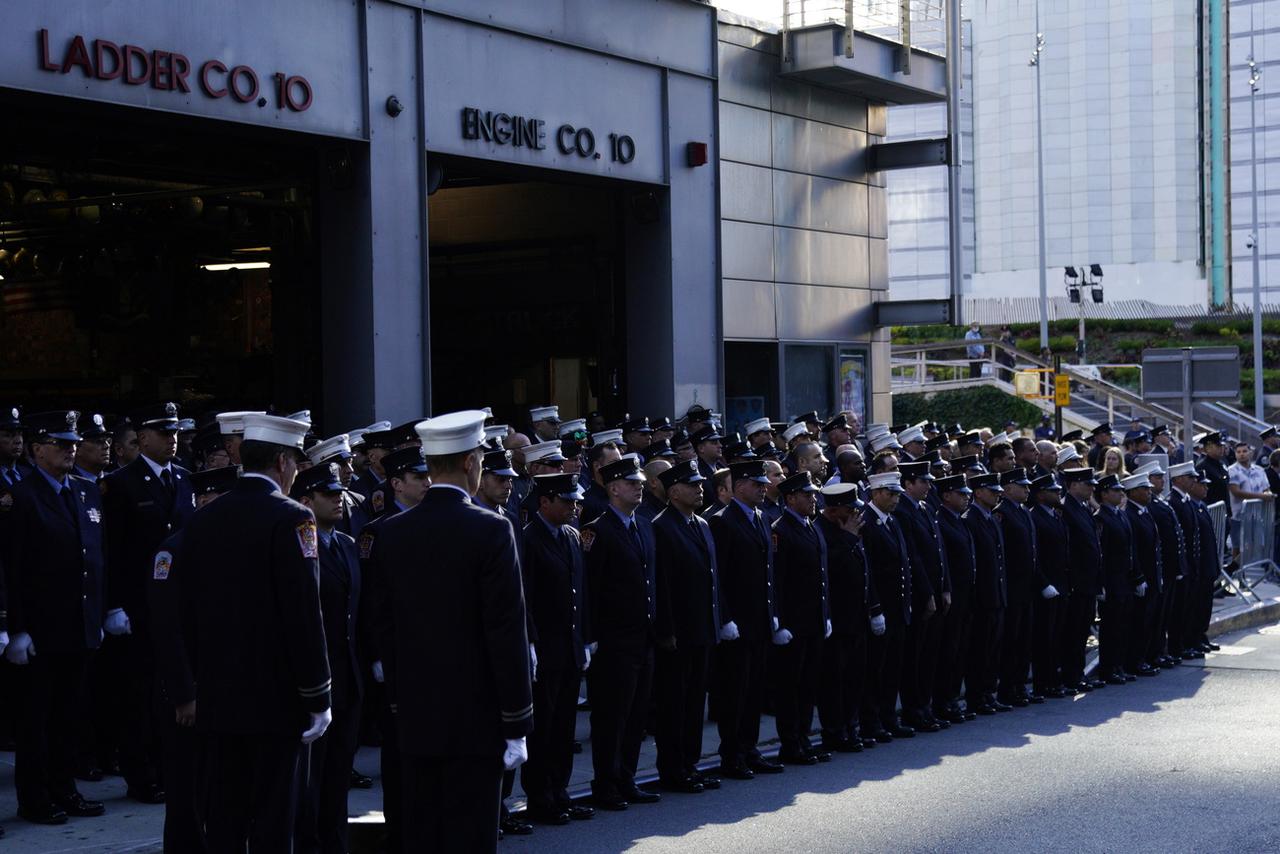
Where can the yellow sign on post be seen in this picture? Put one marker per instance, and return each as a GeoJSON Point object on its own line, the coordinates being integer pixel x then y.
{"type": "Point", "coordinates": [1062, 390]}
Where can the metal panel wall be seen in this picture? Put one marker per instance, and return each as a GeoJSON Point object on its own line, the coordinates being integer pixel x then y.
{"type": "Point", "coordinates": [805, 201]}
{"type": "Point", "coordinates": [318, 40]}
{"type": "Point", "coordinates": [747, 250]}
{"type": "Point", "coordinates": [745, 134]}
{"type": "Point", "coordinates": [823, 314]}
{"type": "Point", "coordinates": [745, 192]}
{"type": "Point", "coordinates": [749, 309]}
{"type": "Point", "coordinates": [801, 145]}
{"type": "Point", "coordinates": [821, 258]}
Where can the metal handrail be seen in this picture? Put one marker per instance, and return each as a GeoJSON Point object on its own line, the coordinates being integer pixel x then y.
{"type": "Point", "coordinates": [1113, 393]}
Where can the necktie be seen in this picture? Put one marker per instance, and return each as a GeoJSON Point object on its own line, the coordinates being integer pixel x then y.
{"type": "Point", "coordinates": [635, 536]}
{"type": "Point", "coordinates": [166, 479]}
{"type": "Point", "coordinates": [764, 534]}
{"type": "Point", "coordinates": [69, 502]}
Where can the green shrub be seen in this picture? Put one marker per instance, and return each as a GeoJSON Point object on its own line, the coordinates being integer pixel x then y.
{"type": "Point", "coordinates": [974, 407]}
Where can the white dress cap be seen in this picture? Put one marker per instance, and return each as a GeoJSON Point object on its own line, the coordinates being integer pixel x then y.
{"type": "Point", "coordinates": [911, 434]}
{"type": "Point", "coordinates": [757, 426]}
{"type": "Point", "coordinates": [544, 413]}
{"type": "Point", "coordinates": [452, 433]}
{"type": "Point", "coordinates": [606, 436]}
{"type": "Point", "coordinates": [884, 440]}
{"type": "Point", "coordinates": [339, 445]}
{"type": "Point", "coordinates": [1134, 481]}
{"type": "Point", "coordinates": [1067, 453]}
{"type": "Point", "coordinates": [573, 426]}
{"type": "Point", "coordinates": [260, 427]}
{"type": "Point", "coordinates": [1182, 469]}
{"type": "Point", "coordinates": [496, 431]}
{"type": "Point", "coordinates": [232, 423]}
{"type": "Point", "coordinates": [887, 480]}
{"type": "Point", "coordinates": [795, 430]}
{"type": "Point", "coordinates": [541, 451]}
{"type": "Point", "coordinates": [1148, 469]}
{"type": "Point", "coordinates": [300, 415]}
{"type": "Point", "coordinates": [1001, 438]}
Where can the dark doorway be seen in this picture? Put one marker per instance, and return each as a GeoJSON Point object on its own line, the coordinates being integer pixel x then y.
{"type": "Point", "coordinates": [526, 294]}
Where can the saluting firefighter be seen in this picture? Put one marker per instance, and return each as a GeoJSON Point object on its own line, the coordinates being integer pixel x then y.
{"type": "Point", "coordinates": [250, 613]}
{"type": "Point", "coordinates": [458, 683]}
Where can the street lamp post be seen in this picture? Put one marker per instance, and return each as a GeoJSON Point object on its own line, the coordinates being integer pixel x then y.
{"type": "Point", "coordinates": [1254, 238]}
{"type": "Point", "coordinates": [1044, 290]}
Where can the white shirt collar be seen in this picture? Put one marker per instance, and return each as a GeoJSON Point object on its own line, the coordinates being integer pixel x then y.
{"type": "Point", "coordinates": [882, 516]}
{"type": "Point", "coordinates": [155, 467]}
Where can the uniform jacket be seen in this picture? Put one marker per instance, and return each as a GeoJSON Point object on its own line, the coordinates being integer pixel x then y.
{"type": "Point", "coordinates": [1173, 549]}
{"type": "Point", "coordinates": [595, 501]}
{"type": "Point", "coordinates": [354, 513]}
{"type": "Point", "coordinates": [1210, 553]}
{"type": "Point", "coordinates": [1121, 572]}
{"type": "Point", "coordinates": [1085, 563]}
{"type": "Point", "coordinates": [771, 510]}
{"type": "Point", "coordinates": [744, 553]}
{"type": "Point", "coordinates": [852, 598]}
{"type": "Point", "coordinates": [1020, 550]}
{"type": "Point", "coordinates": [930, 574]}
{"type": "Point", "coordinates": [650, 507]}
{"type": "Point", "coordinates": [890, 562]}
{"type": "Point", "coordinates": [555, 595]}
{"type": "Point", "coordinates": [1219, 489]}
{"type": "Point", "coordinates": [451, 623]}
{"type": "Point", "coordinates": [620, 583]}
{"type": "Point", "coordinates": [55, 565]}
{"type": "Point", "coordinates": [800, 577]}
{"type": "Point", "coordinates": [168, 645]}
{"type": "Point", "coordinates": [687, 582]}
{"type": "Point", "coordinates": [990, 589]}
{"type": "Point", "coordinates": [340, 594]}
{"type": "Point", "coordinates": [1184, 509]}
{"type": "Point", "coordinates": [1147, 550]}
{"type": "Point", "coordinates": [249, 594]}
{"type": "Point", "coordinates": [140, 516]}
{"type": "Point", "coordinates": [1053, 550]}
{"type": "Point", "coordinates": [961, 559]}
{"type": "Point", "coordinates": [371, 583]}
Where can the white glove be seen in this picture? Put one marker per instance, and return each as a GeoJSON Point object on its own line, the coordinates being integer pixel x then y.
{"type": "Point", "coordinates": [593, 646]}
{"type": "Point", "coordinates": [117, 623]}
{"type": "Point", "coordinates": [877, 625]}
{"type": "Point", "coordinates": [775, 624]}
{"type": "Point", "coordinates": [729, 631]}
{"type": "Point", "coordinates": [319, 723]}
{"type": "Point", "coordinates": [19, 648]}
{"type": "Point", "coordinates": [586, 657]}
{"type": "Point", "coordinates": [827, 633]}
{"type": "Point", "coordinates": [1141, 590]}
{"type": "Point", "coordinates": [782, 637]}
{"type": "Point", "coordinates": [4, 641]}
{"type": "Point", "coordinates": [379, 675]}
{"type": "Point", "coordinates": [1049, 592]}
{"type": "Point", "coordinates": [533, 664]}
{"type": "Point", "coordinates": [517, 753]}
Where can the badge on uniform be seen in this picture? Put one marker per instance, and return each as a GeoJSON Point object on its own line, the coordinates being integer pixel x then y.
{"type": "Point", "coordinates": [377, 500]}
{"type": "Point", "coordinates": [587, 537]}
{"type": "Point", "coordinates": [308, 540]}
{"type": "Point", "coordinates": [95, 516]}
{"type": "Point", "coordinates": [160, 570]}
{"type": "Point", "coordinates": [366, 546]}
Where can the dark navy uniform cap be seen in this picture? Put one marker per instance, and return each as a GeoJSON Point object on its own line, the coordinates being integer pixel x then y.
{"type": "Point", "coordinates": [11, 418]}
{"type": "Point", "coordinates": [800, 482]}
{"type": "Point", "coordinates": [918, 470]}
{"type": "Point", "coordinates": [93, 426]}
{"type": "Point", "coordinates": [497, 463]}
{"type": "Point", "coordinates": [839, 422]}
{"type": "Point", "coordinates": [385, 439]}
{"type": "Point", "coordinates": [52, 426]}
{"type": "Point", "coordinates": [1018, 476]}
{"type": "Point", "coordinates": [323, 478]}
{"type": "Point", "coordinates": [627, 468]}
{"type": "Point", "coordinates": [706, 434]}
{"type": "Point", "coordinates": [220, 479]}
{"type": "Point", "coordinates": [1110, 481]}
{"type": "Point", "coordinates": [564, 486]}
{"type": "Point", "coordinates": [637, 425]}
{"type": "Point", "coordinates": [1045, 482]}
{"type": "Point", "coordinates": [162, 416]}
{"type": "Point", "coordinates": [682, 472]}
{"type": "Point", "coordinates": [1103, 428]}
{"type": "Point", "coordinates": [810, 417]}
{"type": "Point", "coordinates": [660, 449]}
{"type": "Point", "coordinates": [990, 480]}
{"type": "Point", "coordinates": [404, 460]}
{"type": "Point", "coordinates": [954, 483]}
{"type": "Point", "coordinates": [748, 470]}
{"type": "Point", "coordinates": [967, 463]}
{"type": "Point", "coordinates": [1078, 475]}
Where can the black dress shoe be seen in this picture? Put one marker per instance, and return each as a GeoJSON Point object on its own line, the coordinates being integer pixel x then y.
{"type": "Point", "coordinates": [553, 817]}
{"type": "Point", "coordinates": [1128, 677]}
{"type": "Point", "coordinates": [969, 715]}
{"type": "Point", "coordinates": [765, 766]}
{"type": "Point", "coordinates": [924, 725]}
{"type": "Point", "coordinates": [1174, 658]}
{"type": "Point", "coordinates": [48, 814]}
{"type": "Point", "coordinates": [579, 812]}
{"type": "Point", "coordinates": [737, 771]}
{"type": "Point", "coordinates": [1054, 693]}
{"type": "Point", "coordinates": [89, 773]}
{"type": "Point", "coordinates": [149, 793]}
{"type": "Point", "coordinates": [1115, 679]}
{"type": "Point", "coordinates": [798, 759]}
{"type": "Point", "coordinates": [1018, 701]}
{"type": "Point", "coordinates": [882, 736]}
{"type": "Point", "coordinates": [902, 731]}
{"type": "Point", "coordinates": [515, 826]}
{"type": "Point", "coordinates": [1192, 654]}
{"type": "Point", "coordinates": [984, 709]}
{"type": "Point", "coordinates": [954, 716]}
{"type": "Point", "coordinates": [841, 745]}
{"type": "Point", "coordinates": [683, 787]}
{"type": "Point", "coordinates": [1035, 698]}
{"type": "Point", "coordinates": [820, 755]}
{"type": "Point", "coordinates": [998, 705]}
{"type": "Point", "coordinates": [77, 807]}
{"type": "Point", "coordinates": [1147, 670]}
{"type": "Point", "coordinates": [1211, 646]}
{"type": "Point", "coordinates": [360, 781]}
{"type": "Point", "coordinates": [708, 781]}
{"type": "Point", "coordinates": [1097, 683]}
{"type": "Point", "coordinates": [641, 796]}
{"type": "Point", "coordinates": [613, 803]}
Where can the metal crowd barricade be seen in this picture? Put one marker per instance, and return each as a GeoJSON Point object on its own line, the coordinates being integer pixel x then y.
{"type": "Point", "coordinates": [1257, 544]}
{"type": "Point", "coordinates": [1218, 515]}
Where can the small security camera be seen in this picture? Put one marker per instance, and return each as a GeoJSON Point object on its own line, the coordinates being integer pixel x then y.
{"type": "Point", "coordinates": [1248, 241]}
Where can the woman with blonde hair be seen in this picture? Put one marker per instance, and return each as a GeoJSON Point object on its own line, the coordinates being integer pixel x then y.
{"type": "Point", "coordinates": [1113, 463]}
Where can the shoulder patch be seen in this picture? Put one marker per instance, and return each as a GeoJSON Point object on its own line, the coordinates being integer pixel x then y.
{"type": "Point", "coordinates": [6, 502]}
{"type": "Point", "coordinates": [366, 545]}
{"type": "Point", "coordinates": [308, 540]}
{"type": "Point", "coordinates": [588, 537]}
{"type": "Point", "coordinates": [775, 540]}
{"type": "Point", "coordinates": [160, 569]}
{"type": "Point", "coordinates": [377, 501]}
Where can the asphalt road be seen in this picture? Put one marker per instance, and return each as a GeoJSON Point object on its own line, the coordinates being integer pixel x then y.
{"type": "Point", "coordinates": [1186, 761]}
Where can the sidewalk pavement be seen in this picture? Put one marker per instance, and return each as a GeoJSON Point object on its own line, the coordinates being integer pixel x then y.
{"type": "Point", "coordinates": [131, 828]}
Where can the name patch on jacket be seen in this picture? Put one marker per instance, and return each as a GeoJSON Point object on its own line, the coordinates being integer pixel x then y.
{"type": "Point", "coordinates": [587, 537]}
{"type": "Point", "coordinates": [160, 570]}
{"type": "Point", "coordinates": [308, 541]}
{"type": "Point", "coordinates": [366, 545]}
